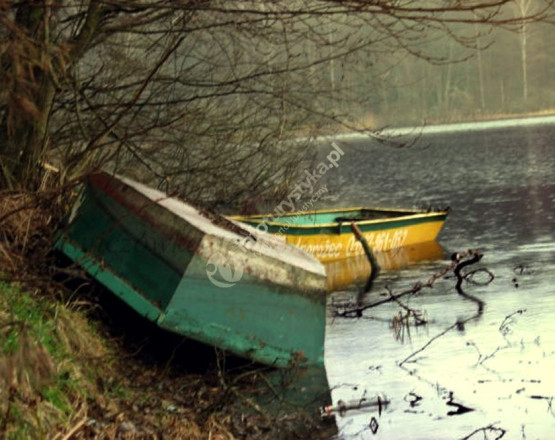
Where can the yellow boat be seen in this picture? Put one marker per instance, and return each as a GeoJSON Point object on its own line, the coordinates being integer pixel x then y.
{"type": "Point", "coordinates": [328, 234]}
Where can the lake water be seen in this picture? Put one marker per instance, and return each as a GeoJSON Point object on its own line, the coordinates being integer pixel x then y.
{"type": "Point", "coordinates": [499, 181]}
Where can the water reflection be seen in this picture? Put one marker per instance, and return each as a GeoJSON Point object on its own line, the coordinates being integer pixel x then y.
{"type": "Point", "coordinates": [499, 366]}
{"type": "Point", "coordinates": [351, 273]}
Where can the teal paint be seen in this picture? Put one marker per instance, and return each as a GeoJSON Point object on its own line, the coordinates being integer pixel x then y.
{"type": "Point", "coordinates": [257, 318]}
{"type": "Point", "coordinates": [249, 319]}
{"type": "Point", "coordinates": [114, 283]}
{"type": "Point", "coordinates": [131, 257]}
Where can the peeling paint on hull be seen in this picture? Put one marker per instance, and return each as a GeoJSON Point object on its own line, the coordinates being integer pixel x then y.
{"type": "Point", "coordinates": [157, 254]}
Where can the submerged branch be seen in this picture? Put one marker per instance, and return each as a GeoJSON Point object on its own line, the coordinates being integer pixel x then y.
{"type": "Point", "coordinates": [374, 266]}
{"type": "Point", "coordinates": [427, 344]}
{"type": "Point", "coordinates": [499, 432]}
{"type": "Point", "coordinates": [472, 257]}
{"type": "Point", "coordinates": [460, 260]}
{"type": "Point", "coordinates": [475, 257]}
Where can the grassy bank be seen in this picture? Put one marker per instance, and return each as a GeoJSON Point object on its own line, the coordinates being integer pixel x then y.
{"type": "Point", "coordinates": [76, 363]}
{"type": "Point", "coordinates": [95, 370]}
{"type": "Point", "coordinates": [47, 366]}
{"type": "Point", "coordinates": [63, 373]}
{"type": "Point", "coordinates": [61, 378]}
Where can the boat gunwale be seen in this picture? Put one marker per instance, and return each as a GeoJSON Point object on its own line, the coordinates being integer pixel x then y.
{"type": "Point", "coordinates": [410, 215]}
{"type": "Point", "coordinates": [268, 349]}
{"type": "Point", "coordinates": [104, 182]}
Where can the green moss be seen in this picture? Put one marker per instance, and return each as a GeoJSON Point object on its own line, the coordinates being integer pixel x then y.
{"type": "Point", "coordinates": [45, 363]}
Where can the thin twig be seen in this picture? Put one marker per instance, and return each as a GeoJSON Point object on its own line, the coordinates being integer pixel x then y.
{"type": "Point", "coordinates": [356, 312]}
{"type": "Point", "coordinates": [491, 427]}
{"type": "Point", "coordinates": [76, 428]}
{"type": "Point", "coordinates": [427, 344]}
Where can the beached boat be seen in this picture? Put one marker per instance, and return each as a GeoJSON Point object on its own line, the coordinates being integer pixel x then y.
{"type": "Point", "coordinates": [328, 234]}
{"type": "Point", "coordinates": [198, 274]}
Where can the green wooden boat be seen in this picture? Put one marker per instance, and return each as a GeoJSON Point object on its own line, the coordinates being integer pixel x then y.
{"type": "Point", "coordinates": [198, 274]}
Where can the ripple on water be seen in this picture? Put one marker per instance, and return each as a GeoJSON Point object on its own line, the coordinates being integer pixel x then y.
{"type": "Point", "coordinates": [501, 365]}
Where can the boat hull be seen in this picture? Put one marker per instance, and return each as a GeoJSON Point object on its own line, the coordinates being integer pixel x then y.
{"type": "Point", "coordinates": [177, 268]}
{"type": "Point", "coordinates": [320, 234]}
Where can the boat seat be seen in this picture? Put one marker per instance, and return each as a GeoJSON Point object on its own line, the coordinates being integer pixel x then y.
{"type": "Point", "coordinates": [350, 219]}
{"type": "Point", "coordinates": [363, 217]}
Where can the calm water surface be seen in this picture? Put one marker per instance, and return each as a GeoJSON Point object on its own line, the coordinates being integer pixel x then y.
{"type": "Point", "coordinates": [500, 184]}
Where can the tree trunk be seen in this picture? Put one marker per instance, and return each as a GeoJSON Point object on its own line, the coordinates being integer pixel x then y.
{"type": "Point", "coordinates": [524, 61]}
{"type": "Point", "coordinates": [32, 74]}
{"type": "Point", "coordinates": [23, 124]}
{"type": "Point", "coordinates": [524, 8]}
{"type": "Point", "coordinates": [22, 140]}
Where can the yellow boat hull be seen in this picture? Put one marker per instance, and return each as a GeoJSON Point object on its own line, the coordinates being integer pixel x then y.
{"type": "Point", "coordinates": [328, 234]}
{"type": "Point", "coordinates": [330, 247]}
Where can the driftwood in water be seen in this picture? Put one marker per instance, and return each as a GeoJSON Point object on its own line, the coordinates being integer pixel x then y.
{"type": "Point", "coordinates": [374, 266]}
{"type": "Point", "coordinates": [379, 401]}
{"type": "Point", "coordinates": [460, 260]}
{"type": "Point", "coordinates": [474, 258]}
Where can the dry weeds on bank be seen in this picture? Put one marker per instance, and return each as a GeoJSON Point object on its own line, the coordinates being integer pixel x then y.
{"type": "Point", "coordinates": [64, 376]}
{"type": "Point", "coordinates": [60, 376]}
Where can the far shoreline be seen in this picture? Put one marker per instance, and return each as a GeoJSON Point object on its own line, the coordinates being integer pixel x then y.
{"type": "Point", "coordinates": [447, 127]}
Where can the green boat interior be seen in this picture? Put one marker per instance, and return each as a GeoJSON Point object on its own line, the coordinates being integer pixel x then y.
{"type": "Point", "coordinates": [369, 214]}
{"type": "Point", "coordinates": [327, 217]}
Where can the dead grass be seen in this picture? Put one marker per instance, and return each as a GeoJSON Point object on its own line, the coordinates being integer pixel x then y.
{"type": "Point", "coordinates": [27, 224]}
{"type": "Point", "coordinates": [61, 379]}
{"type": "Point", "coordinates": [64, 376]}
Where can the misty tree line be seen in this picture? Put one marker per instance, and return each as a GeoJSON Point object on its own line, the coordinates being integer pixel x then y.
{"type": "Point", "coordinates": [482, 73]}
{"type": "Point", "coordinates": [509, 73]}
{"type": "Point", "coordinates": [209, 98]}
